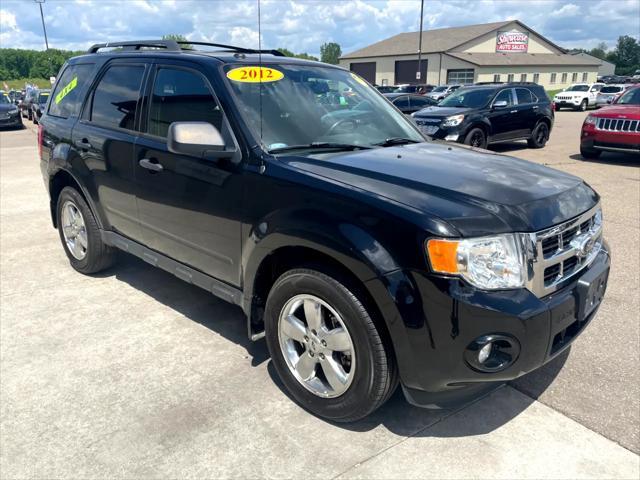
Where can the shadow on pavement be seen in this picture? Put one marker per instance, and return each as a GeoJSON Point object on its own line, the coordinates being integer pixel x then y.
{"type": "Point", "coordinates": [227, 320]}
{"type": "Point", "coordinates": [608, 158]}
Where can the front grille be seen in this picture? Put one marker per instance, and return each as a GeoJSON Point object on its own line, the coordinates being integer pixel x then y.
{"type": "Point", "coordinates": [618, 125]}
{"type": "Point", "coordinates": [564, 98]}
{"type": "Point", "coordinates": [558, 253]}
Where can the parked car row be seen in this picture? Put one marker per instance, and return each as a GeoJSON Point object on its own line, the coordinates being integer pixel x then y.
{"type": "Point", "coordinates": [609, 79]}
{"type": "Point", "coordinates": [9, 112]}
{"type": "Point", "coordinates": [33, 104]}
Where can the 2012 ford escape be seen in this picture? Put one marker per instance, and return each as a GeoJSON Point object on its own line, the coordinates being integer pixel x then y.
{"type": "Point", "coordinates": [367, 256]}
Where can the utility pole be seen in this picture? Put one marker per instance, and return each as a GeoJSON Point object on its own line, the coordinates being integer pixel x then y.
{"type": "Point", "coordinates": [419, 72]}
{"type": "Point", "coordinates": [44, 29]}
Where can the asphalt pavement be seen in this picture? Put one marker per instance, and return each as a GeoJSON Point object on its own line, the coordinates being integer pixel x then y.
{"type": "Point", "coordinates": [133, 373]}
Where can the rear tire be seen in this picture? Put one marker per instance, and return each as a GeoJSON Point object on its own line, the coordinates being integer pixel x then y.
{"type": "Point", "coordinates": [589, 153]}
{"type": "Point", "coordinates": [476, 138]}
{"type": "Point", "coordinates": [80, 234]}
{"type": "Point", "coordinates": [368, 369]}
{"type": "Point", "coordinates": [539, 136]}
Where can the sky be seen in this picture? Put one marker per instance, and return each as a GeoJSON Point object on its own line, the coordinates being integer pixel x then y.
{"type": "Point", "coordinates": [302, 26]}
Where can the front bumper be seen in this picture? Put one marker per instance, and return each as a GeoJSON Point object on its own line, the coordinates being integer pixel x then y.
{"type": "Point", "coordinates": [568, 103]}
{"type": "Point", "coordinates": [11, 121]}
{"type": "Point", "coordinates": [610, 141]}
{"type": "Point", "coordinates": [433, 320]}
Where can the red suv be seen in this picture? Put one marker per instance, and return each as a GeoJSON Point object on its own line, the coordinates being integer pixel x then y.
{"type": "Point", "coordinates": [615, 128]}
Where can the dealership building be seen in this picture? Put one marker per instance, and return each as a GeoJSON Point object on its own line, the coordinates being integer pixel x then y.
{"type": "Point", "coordinates": [490, 52]}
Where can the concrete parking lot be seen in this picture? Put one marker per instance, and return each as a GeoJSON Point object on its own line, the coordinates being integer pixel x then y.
{"type": "Point", "coordinates": [133, 373]}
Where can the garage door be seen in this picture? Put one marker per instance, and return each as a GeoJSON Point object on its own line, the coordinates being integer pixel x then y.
{"type": "Point", "coordinates": [366, 70]}
{"type": "Point", "coordinates": [406, 71]}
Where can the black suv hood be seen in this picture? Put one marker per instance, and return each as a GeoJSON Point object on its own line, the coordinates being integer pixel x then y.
{"type": "Point", "coordinates": [5, 107]}
{"type": "Point", "coordinates": [436, 111]}
{"type": "Point", "coordinates": [475, 191]}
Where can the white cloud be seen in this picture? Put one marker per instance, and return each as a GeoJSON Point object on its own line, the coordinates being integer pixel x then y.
{"type": "Point", "coordinates": [302, 26]}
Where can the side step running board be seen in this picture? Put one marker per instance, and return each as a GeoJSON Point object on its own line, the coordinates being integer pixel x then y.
{"type": "Point", "coordinates": [189, 275]}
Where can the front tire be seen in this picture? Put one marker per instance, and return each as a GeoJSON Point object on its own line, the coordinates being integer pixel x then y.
{"type": "Point", "coordinates": [476, 138]}
{"type": "Point", "coordinates": [80, 234]}
{"type": "Point", "coordinates": [539, 136]}
{"type": "Point", "coordinates": [583, 105]}
{"type": "Point", "coordinates": [326, 348]}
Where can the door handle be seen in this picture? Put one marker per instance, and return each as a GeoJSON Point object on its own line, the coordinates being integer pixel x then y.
{"type": "Point", "coordinates": [152, 165]}
{"type": "Point", "coordinates": [84, 143]}
{"type": "Point", "coordinates": [535, 107]}
{"type": "Point", "coordinates": [513, 111]}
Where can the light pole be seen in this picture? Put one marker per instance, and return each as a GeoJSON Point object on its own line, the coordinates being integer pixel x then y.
{"type": "Point", "coordinates": [46, 42]}
{"type": "Point", "coordinates": [419, 72]}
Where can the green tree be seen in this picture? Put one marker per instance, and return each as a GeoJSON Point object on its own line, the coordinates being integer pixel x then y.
{"type": "Point", "coordinates": [330, 53]}
{"type": "Point", "coordinates": [626, 55]}
{"type": "Point", "coordinates": [289, 53]}
{"type": "Point", "coordinates": [600, 51]}
{"type": "Point", "coordinates": [178, 38]}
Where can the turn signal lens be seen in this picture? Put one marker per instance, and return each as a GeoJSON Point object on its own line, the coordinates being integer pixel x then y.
{"type": "Point", "coordinates": [443, 255]}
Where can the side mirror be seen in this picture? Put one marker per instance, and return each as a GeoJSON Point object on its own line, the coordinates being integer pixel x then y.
{"type": "Point", "coordinates": [197, 139]}
{"type": "Point", "coordinates": [500, 104]}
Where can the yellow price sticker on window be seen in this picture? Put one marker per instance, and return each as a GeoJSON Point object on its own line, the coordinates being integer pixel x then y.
{"type": "Point", "coordinates": [359, 79]}
{"type": "Point", "coordinates": [255, 74]}
{"type": "Point", "coordinates": [65, 91]}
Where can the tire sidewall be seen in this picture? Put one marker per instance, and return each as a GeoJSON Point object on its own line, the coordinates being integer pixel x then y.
{"type": "Point", "coordinates": [468, 137]}
{"type": "Point", "coordinates": [299, 282]}
{"type": "Point", "coordinates": [93, 234]}
{"type": "Point", "coordinates": [534, 135]}
{"type": "Point", "coordinates": [584, 105]}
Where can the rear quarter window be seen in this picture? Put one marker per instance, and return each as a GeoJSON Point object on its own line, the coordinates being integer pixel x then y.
{"type": "Point", "coordinates": [67, 96]}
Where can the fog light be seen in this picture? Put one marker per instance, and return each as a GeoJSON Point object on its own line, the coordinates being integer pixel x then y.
{"type": "Point", "coordinates": [492, 353]}
{"type": "Point", "coordinates": [484, 352]}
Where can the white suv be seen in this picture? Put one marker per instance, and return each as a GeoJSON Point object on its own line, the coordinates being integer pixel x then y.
{"type": "Point", "coordinates": [578, 96]}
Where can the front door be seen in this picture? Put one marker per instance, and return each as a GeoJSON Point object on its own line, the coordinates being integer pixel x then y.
{"type": "Point", "coordinates": [189, 207]}
{"type": "Point", "coordinates": [502, 118]}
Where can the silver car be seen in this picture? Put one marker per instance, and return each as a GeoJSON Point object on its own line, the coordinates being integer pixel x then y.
{"type": "Point", "coordinates": [442, 92]}
{"type": "Point", "coordinates": [608, 93]}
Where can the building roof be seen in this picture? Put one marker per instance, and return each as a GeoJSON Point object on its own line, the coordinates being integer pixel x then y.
{"type": "Point", "coordinates": [508, 59]}
{"type": "Point", "coordinates": [433, 41]}
{"type": "Point", "coordinates": [586, 55]}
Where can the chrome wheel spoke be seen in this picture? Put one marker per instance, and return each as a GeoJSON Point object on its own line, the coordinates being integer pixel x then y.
{"type": "Point", "coordinates": [306, 365]}
{"type": "Point", "coordinates": [76, 249]}
{"type": "Point", "coordinates": [82, 238]}
{"type": "Point", "coordinates": [334, 373]}
{"type": "Point", "coordinates": [313, 314]}
{"type": "Point", "coordinates": [293, 328]}
{"type": "Point", "coordinates": [337, 340]}
{"type": "Point", "coordinates": [68, 231]}
{"type": "Point", "coordinates": [74, 230]}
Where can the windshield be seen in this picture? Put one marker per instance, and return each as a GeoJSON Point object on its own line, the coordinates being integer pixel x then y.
{"type": "Point", "coordinates": [43, 98]}
{"type": "Point", "coordinates": [468, 98]}
{"type": "Point", "coordinates": [578, 88]}
{"type": "Point", "coordinates": [611, 89]}
{"type": "Point", "coordinates": [630, 97]}
{"type": "Point", "coordinates": [305, 104]}
{"type": "Point", "coordinates": [4, 99]}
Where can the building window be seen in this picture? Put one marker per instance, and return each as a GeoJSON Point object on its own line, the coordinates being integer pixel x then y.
{"type": "Point", "coordinates": [523, 77]}
{"type": "Point", "coordinates": [564, 78]}
{"type": "Point", "coordinates": [460, 76]}
{"type": "Point", "coordinates": [553, 77]}
{"type": "Point", "coordinates": [496, 78]}
{"type": "Point", "coordinates": [585, 76]}
{"type": "Point", "coordinates": [385, 82]}
{"type": "Point", "coordinates": [574, 77]}
{"type": "Point", "coordinates": [510, 78]}
{"type": "Point", "coordinates": [536, 77]}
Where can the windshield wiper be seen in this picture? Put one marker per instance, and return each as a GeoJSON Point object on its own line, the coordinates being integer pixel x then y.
{"type": "Point", "coordinates": [319, 145]}
{"type": "Point", "coordinates": [389, 142]}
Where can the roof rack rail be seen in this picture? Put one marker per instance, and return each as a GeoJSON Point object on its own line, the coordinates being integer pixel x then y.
{"type": "Point", "coordinates": [505, 83]}
{"type": "Point", "coordinates": [174, 46]}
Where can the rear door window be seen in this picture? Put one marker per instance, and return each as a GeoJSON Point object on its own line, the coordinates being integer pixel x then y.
{"type": "Point", "coordinates": [402, 102]}
{"type": "Point", "coordinates": [180, 96]}
{"type": "Point", "coordinates": [524, 96]}
{"type": "Point", "coordinates": [66, 98]}
{"type": "Point", "coordinates": [115, 99]}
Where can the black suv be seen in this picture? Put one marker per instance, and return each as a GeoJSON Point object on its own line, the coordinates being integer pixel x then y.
{"type": "Point", "coordinates": [482, 114]}
{"type": "Point", "coordinates": [366, 256]}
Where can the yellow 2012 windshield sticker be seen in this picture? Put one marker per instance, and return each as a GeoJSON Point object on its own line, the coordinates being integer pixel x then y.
{"type": "Point", "coordinates": [65, 91]}
{"type": "Point", "coordinates": [359, 79]}
{"type": "Point", "coordinates": [255, 74]}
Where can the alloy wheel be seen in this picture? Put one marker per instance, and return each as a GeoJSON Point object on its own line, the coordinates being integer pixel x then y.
{"type": "Point", "coordinates": [74, 230]}
{"type": "Point", "coordinates": [316, 346]}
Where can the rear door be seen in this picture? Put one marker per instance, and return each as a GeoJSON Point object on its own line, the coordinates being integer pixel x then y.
{"type": "Point", "coordinates": [190, 208]}
{"type": "Point", "coordinates": [104, 139]}
{"type": "Point", "coordinates": [525, 117]}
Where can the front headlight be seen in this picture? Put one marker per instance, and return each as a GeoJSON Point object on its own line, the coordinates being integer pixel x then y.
{"type": "Point", "coordinates": [453, 121]}
{"type": "Point", "coordinates": [590, 120]}
{"type": "Point", "coordinates": [489, 263]}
